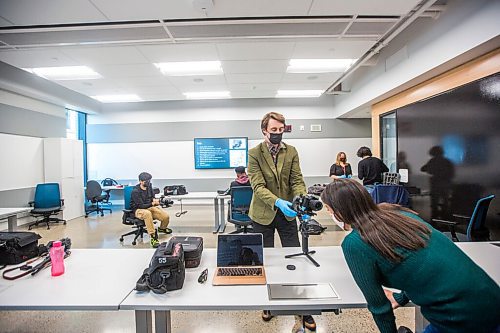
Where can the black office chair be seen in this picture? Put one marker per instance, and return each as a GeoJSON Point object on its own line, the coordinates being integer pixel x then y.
{"type": "Point", "coordinates": [476, 229]}
{"type": "Point", "coordinates": [108, 182]}
{"type": "Point", "coordinates": [47, 202]}
{"type": "Point", "coordinates": [130, 219]}
{"type": "Point", "coordinates": [241, 197]}
{"type": "Point", "coordinates": [93, 193]}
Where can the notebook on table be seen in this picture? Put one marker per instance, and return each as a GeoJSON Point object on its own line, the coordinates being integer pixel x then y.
{"type": "Point", "coordinates": [240, 260]}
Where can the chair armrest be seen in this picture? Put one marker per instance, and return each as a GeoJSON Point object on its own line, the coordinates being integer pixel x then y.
{"type": "Point", "coordinates": [31, 203]}
{"type": "Point", "coordinates": [450, 223]}
{"type": "Point", "coordinates": [128, 211]}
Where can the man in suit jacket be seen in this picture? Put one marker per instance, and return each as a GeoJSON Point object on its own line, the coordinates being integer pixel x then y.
{"type": "Point", "coordinates": [276, 179]}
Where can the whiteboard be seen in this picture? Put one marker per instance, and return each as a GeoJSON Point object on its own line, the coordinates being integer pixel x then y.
{"type": "Point", "coordinates": [175, 160]}
{"type": "Point", "coordinates": [21, 164]}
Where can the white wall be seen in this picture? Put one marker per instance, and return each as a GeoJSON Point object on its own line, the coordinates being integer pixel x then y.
{"type": "Point", "coordinates": [175, 160]}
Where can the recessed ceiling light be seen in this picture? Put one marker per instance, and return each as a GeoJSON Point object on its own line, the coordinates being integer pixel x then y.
{"type": "Point", "coordinates": [319, 65]}
{"type": "Point", "coordinates": [65, 73]}
{"type": "Point", "coordinates": [190, 68]}
{"type": "Point", "coordinates": [312, 77]}
{"type": "Point", "coordinates": [207, 94]}
{"type": "Point", "coordinates": [298, 93]}
{"type": "Point", "coordinates": [117, 98]}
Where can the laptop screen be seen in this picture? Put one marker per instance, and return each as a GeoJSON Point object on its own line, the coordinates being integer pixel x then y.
{"type": "Point", "coordinates": [240, 250]}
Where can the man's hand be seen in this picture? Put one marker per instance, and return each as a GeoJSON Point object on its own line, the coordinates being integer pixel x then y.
{"type": "Point", "coordinates": [390, 296]}
{"type": "Point", "coordinates": [285, 207]}
{"type": "Point", "coordinates": [156, 202]}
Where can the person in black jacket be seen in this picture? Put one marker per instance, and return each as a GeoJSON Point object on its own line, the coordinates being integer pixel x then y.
{"type": "Point", "coordinates": [145, 207]}
{"type": "Point", "coordinates": [370, 168]}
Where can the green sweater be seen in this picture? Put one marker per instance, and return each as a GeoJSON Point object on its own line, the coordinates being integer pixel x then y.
{"type": "Point", "coordinates": [455, 295]}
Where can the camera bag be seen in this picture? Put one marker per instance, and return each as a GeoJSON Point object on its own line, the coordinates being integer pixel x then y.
{"type": "Point", "coordinates": [166, 270]}
{"type": "Point", "coordinates": [16, 247]}
{"type": "Point", "coordinates": [193, 248]}
{"type": "Point", "coordinates": [175, 190]}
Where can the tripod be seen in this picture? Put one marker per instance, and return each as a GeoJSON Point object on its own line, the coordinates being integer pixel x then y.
{"type": "Point", "coordinates": [305, 244]}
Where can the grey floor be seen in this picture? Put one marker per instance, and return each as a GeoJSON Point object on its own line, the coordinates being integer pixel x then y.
{"type": "Point", "coordinates": [104, 232]}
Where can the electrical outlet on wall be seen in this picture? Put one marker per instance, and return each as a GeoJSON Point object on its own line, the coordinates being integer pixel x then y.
{"type": "Point", "coordinates": [302, 127]}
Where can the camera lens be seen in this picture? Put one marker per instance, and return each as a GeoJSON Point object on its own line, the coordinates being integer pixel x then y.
{"type": "Point", "coordinates": [315, 204]}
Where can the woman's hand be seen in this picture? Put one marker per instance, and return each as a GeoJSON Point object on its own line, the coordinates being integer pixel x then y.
{"type": "Point", "coordinates": [390, 296]}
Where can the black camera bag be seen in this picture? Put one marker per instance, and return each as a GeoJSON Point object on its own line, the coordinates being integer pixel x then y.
{"type": "Point", "coordinates": [16, 247]}
{"type": "Point", "coordinates": [166, 270]}
{"type": "Point", "coordinates": [193, 248]}
{"type": "Point", "coordinates": [175, 190]}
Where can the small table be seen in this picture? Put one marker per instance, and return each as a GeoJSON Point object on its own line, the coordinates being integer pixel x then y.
{"type": "Point", "coordinates": [219, 218]}
{"type": "Point", "coordinates": [11, 215]}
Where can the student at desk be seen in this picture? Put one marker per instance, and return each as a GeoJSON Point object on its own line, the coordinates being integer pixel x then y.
{"type": "Point", "coordinates": [391, 246]}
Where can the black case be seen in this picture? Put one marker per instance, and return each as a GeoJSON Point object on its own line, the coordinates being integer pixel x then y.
{"type": "Point", "coordinates": [193, 248]}
{"type": "Point", "coordinates": [16, 247]}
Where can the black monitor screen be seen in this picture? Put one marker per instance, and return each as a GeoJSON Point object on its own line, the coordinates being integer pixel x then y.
{"type": "Point", "coordinates": [240, 250]}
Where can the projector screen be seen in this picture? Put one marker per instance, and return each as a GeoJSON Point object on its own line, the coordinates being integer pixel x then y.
{"type": "Point", "coordinates": [220, 153]}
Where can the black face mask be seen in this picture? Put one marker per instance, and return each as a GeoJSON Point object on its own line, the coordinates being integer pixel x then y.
{"type": "Point", "coordinates": [147, 183]}
{"type": "Point", "coordinates": [275, 138]}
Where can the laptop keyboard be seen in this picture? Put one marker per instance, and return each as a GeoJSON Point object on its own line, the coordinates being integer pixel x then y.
{"type": "Point", "coordinates": [239, 271]}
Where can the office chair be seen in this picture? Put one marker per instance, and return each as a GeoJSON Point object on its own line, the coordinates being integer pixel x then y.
{"type": "Point", "coordinates": [476, 229]}
{"type": "Point", "coordinates": [93, 193]}
{"type": "Point", "coordinates": [241, 196]}
{"type": "Point", "coordinates": [395, 194]}
{"type": "Point", "coordinates": [47, 202]}
{"type": "Point", "coordinates": [130, 219]}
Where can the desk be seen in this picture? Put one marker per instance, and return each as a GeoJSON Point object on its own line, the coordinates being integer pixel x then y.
{"type": "Point", "coordinates": [95, 279]}
{"type": "Point", "coordinates": [198, 297]}
{"type": "Point", "coordinates": [11, 215]}
{"type": "Point", "coordinates": [219, 212]}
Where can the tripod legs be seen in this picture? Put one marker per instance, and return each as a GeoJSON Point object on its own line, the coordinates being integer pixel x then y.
{"type": "Point", "coordinates": [307, 254]}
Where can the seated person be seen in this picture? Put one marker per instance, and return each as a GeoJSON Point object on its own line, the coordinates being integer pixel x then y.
{"type": "Point", "coordinates": [241, 178]}
{"type": "Point", "coordinates": [341, 169]}
{"type": "Point", "coordinates": [145, 207]}
{"type": "Point", "coordinates": [370, 169]}
{"type": "Point", "coordinates": [391, 246]}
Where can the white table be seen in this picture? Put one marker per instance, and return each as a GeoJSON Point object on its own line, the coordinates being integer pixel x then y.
{"type": "Point", "coordinates": [196, 297]}
{"type": "Point", "coordinates": [94, 279]}
{"type": "Point", "coordinates": [219, 210]}
{"type": "Point", "coordinates": [11, 215]}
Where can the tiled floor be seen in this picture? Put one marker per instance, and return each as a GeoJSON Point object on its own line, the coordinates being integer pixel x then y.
{"type": "Point", "coordinates": [104, 232]}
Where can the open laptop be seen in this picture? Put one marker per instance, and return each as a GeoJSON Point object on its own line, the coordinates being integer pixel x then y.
{"type": "Point", "coordinates": [240, 260]}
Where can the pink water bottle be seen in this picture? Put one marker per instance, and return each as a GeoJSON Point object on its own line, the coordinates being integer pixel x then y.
{"type": "Point", "coordinates": [57, 258]}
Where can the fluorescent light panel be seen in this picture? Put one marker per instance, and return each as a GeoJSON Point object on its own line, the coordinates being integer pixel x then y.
{"type": "Point", "coordinates": [298, 93]}
{"type": "Point", "coordinates": [190, 68]}
{"type": "Point", "coordinates": [207, 95]}
{"type": "Point", "coordinates": [319, 65]}
{"type": "Point", "coordinates": [117, 98]}
{"type": "Point", "coordinates": [65, 73]}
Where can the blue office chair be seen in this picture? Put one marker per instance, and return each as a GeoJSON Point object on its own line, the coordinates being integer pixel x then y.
{"type": "Point", "coordinates": [476, 229]}
{"type": "Point", "coordinates": [93, 193]}
{"type": "Point", "coordinates": [130, 219]}
{"type": "Point", "coordinates": [47, 202]}
{"type": "Point", "coordinates": [241, 197]}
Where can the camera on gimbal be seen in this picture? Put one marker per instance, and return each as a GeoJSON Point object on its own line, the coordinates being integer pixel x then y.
{"type": "Point", "coordinates": [165, 202]}
{"type": "Point", "coordinates": [305, 206]}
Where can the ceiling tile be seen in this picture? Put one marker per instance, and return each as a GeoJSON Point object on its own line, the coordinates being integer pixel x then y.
{"type": "Point", "coordinates": [127, 10]}
{"type": "Point", "coordinates": [146, 81]}
{"type": "Point", "coordinates": [28, 12]}
{"type": "Point", "coordinates": [114, 55]}
{"type": "Point", "coordinates": [362, 7]}
{"type": "Point", "coordinates": [155, 90]}
{"type": "Point", "coordinates": [250, 94]}
{"type": "Point", "coordinates": [311, 77]}
{"type": "Point", "coordinates": [255, 66]}
{"type": "Point", "coordinates": [36, 58]}
{"type": "Point", "coordinates": [259, 8]}
{"type": "Point", "coordinates": [193, 81]}
{"type": "Point", "coordinates": [162, 97]}
{"type": "Point", "coordinates": [179, 52]}
{"type": "Point", "coordinates": [254, 78]}
{"type": "Point", "coordinates": [118, 71]}
{"type": "Point", "coordinates": [253, 51]}
{"type": "Point", "coordinates": [343, 49]}
{"type": "Point", "coordinates": [253, 87]}
{"type": "Point", "coordinates": [305, 85]}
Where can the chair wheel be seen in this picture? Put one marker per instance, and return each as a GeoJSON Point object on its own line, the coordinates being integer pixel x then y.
{"type": "Point", "coordinates": [86, 216]}
{"type": "Point", "coordinates": [121, 239]}
{"type": "Point", "coordinates": [29, 228]}
{"type": "Point", "coordinates": [134, 242]}
{"type": "Point", "coordinates": [102, 214]}
{"type": "Point", "coordinates": [64, 223]}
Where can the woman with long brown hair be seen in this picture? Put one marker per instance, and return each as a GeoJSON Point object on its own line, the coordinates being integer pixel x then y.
{"type": "Point", "coordinates": [392, 247]}
{"type": "Point", "coordinates": [340, 169]}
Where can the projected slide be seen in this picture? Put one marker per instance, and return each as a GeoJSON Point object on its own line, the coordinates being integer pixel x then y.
{"type": "Point", "coordinates": [220, 153]}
